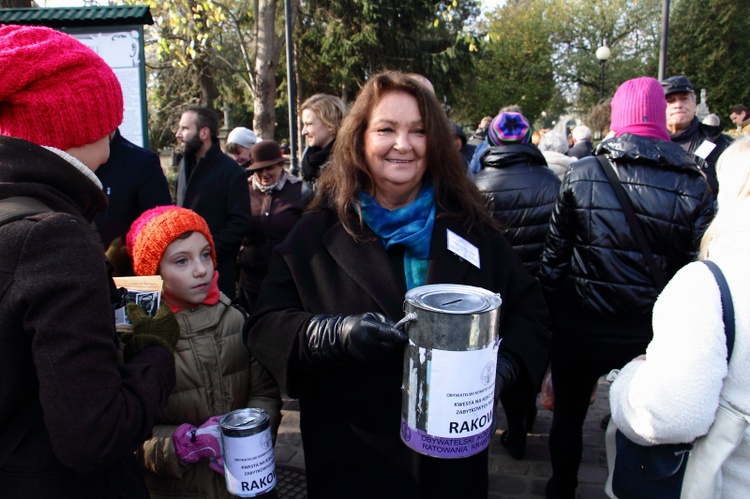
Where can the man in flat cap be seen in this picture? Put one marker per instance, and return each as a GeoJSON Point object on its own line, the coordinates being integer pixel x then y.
{"type": "Point", "coordinates": [704, 142]}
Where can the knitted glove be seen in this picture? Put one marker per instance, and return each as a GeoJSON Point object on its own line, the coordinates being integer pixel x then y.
{"type": "Point", "coordinates": [162, 329]}
{"type": "Point", "coordinates": [193, 444]}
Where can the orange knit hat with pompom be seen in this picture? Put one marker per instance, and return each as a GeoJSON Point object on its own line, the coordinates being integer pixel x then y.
{"type": "Point", "coordinates": [152, 232]}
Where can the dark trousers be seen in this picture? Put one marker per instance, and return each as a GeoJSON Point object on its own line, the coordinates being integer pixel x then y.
{"type": "Point", "coordinates": [519, 403]}
{"type": "Point", "coordinates": [452, 478]}
{"type": "Point", "coordinates": [574, 375]}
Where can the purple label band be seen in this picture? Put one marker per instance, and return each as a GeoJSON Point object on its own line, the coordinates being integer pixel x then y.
{"type": "Point", "coordinates": [441, 447]}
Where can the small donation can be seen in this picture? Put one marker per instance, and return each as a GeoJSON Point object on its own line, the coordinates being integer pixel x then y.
{"type": "Point", "coordinates": [249, 467]}
{"type": "Point", "coordinates": [447, 404]}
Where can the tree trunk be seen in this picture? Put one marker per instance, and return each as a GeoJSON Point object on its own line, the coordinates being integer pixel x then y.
{"type": "Point", "coordinates": [264, 118]}
{"type": "Point", "coordinates": [209, 91]}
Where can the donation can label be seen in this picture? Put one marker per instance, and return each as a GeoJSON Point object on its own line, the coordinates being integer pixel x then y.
{"type": "Point", "coordinates": [460, 389]}
{"type": "Point", "coordinates": [249, 466]}
{"type": "Point", "coordinates": [462, 392]}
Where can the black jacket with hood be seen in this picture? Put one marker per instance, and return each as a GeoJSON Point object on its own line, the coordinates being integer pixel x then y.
{"type": "Point", "coordinates": [593, 273]}
{"type": "Point", "coordinates": [521, 191]}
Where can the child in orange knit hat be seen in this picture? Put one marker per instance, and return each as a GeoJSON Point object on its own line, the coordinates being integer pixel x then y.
{"type": "Point", "coordinates": [215, 372]}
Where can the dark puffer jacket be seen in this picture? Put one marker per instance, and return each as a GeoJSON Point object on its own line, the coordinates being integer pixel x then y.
{"type": "Point", "coordinates": [593, 273]}
{"type": "Point", "coordinates": [691, 139]}
{"type": "Point", "coordinates": [521, 192]}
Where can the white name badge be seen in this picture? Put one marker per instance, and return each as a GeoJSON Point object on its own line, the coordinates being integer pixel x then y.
{"type": "Point", "coordinates": [463, 248]}
{"type": "Point", "coordinates": [705, 149]}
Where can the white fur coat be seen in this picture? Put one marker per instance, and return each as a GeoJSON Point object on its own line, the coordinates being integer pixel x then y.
{"type": "Point", "coordinates": [673, 395]}
{"type": "Point", "coordinates": [558, 162]}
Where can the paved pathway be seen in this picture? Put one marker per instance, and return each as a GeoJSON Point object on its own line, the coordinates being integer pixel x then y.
{"type": "Point", "coordinates": [508, 478]}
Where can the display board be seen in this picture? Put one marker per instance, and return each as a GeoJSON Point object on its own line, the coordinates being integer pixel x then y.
{"type": "Point", "coordinates": [122, 49]}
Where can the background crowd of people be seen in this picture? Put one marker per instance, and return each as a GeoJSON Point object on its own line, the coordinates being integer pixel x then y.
{"type": "Point", "coordinates": [278, 281]}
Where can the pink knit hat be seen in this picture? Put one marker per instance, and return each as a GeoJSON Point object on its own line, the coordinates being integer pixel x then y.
{"type": "Point", "coordinates": [152, 232]}
{"type": "Point", "coordinates": [639, 104]}
{"type": "Point", "coordinates": [55, 91]}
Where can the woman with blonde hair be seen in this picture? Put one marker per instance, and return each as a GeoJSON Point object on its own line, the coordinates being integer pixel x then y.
{"type": "Point", "coordinates": [393, 195]}
{"type": "Point", "coordinates": [671, 394]}
{"type": "Point", "coordinates": [322, 115]}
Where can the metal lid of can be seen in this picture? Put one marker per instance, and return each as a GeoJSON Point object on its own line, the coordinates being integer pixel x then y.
{"type": "Point", "coordinates": [242, 419]}
{"type": "Point", "coordinates": [453, 298]}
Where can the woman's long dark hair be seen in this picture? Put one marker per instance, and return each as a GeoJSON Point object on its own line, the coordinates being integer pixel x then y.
{"type": "Point", "coordinates": [346, 174]}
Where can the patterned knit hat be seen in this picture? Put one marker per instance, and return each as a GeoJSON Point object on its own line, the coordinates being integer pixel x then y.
{"type": "Point", "coordinates": [55, 91]}
{"type": "Point", "coordinates": [637, 102]}
{"type": "Point", "coordinates": [152, 232]}
{"type": "Point", "coordinates": [509, 128]}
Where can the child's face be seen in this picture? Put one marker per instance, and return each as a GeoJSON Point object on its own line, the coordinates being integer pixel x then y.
{"type": "Point", "coordinates": [187, 270]}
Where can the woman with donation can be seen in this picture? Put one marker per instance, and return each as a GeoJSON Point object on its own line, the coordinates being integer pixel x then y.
{"type": "Point", "coordinates": [215, 372]}
{"type": "Point", "coordinates": [393, 211]}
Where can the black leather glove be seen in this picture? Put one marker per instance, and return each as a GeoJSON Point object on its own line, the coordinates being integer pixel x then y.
{"type": "Point", "coordinates": [505, 374]}
{"type": "Point", "coordinates": [162, 329]}
{"type": "Point", "coordinates": [331, 340]}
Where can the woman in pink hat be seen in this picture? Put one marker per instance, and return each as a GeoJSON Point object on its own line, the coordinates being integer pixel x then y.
{"type": "Point", "coordinates": [74, 407]}
{"type": "Point", "coordinates": [598, 286]}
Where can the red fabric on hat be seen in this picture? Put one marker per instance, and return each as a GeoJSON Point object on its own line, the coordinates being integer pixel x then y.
{"type": "Point", "coordinates": [55, 91]}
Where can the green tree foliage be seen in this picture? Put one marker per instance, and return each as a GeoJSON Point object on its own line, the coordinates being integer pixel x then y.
{"type": "Point", "coordinates": [214, 53]}
{"type": "Point", "coordinates": [184, 61]}
{"type": "Point", "coordinates": [540, 54]}
{"type": "Point", "coordinates": [709, 42]}
{"type": "Point", "coordinates": [631, 29]}
{"type": "Point", "coordinates": [513, 65]}
{"type": "Point", "coordinates": [342, 42]}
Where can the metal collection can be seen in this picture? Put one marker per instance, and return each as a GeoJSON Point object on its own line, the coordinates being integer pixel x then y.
{"type": "Point", "coordinates": [447, 403]}
{"type": "Point", "coordinates": [249, 467]}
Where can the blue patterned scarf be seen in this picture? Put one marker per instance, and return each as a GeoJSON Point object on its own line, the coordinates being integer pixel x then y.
{"type": "Point", "coordinates": [410, 226]}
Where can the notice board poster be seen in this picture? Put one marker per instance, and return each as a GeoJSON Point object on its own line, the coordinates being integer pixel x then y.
{"type": "Point", "coordinates": [123, 51]}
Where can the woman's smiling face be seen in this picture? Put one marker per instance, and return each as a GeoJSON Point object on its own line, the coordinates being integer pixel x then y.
{"type": "Point", "coordinates": [395, 146]}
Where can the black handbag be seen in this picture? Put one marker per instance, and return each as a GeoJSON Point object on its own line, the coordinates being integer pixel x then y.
{"type": "Point", "coordinates": [653, 472]}
{"type": "Point", "coordinates": [656, 471]}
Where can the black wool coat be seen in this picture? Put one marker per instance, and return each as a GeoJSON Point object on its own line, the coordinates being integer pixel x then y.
{"type": "Point", "coordinates": [133, 181]}
{"type": "Point", "coordinates": [217, 190]}
{"type": "Point", "coordinates": [691, 138]}
{"type": "Point", "coordinates": [58, 343]}
{"type": "Point", "coordinates": [350, 416]}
